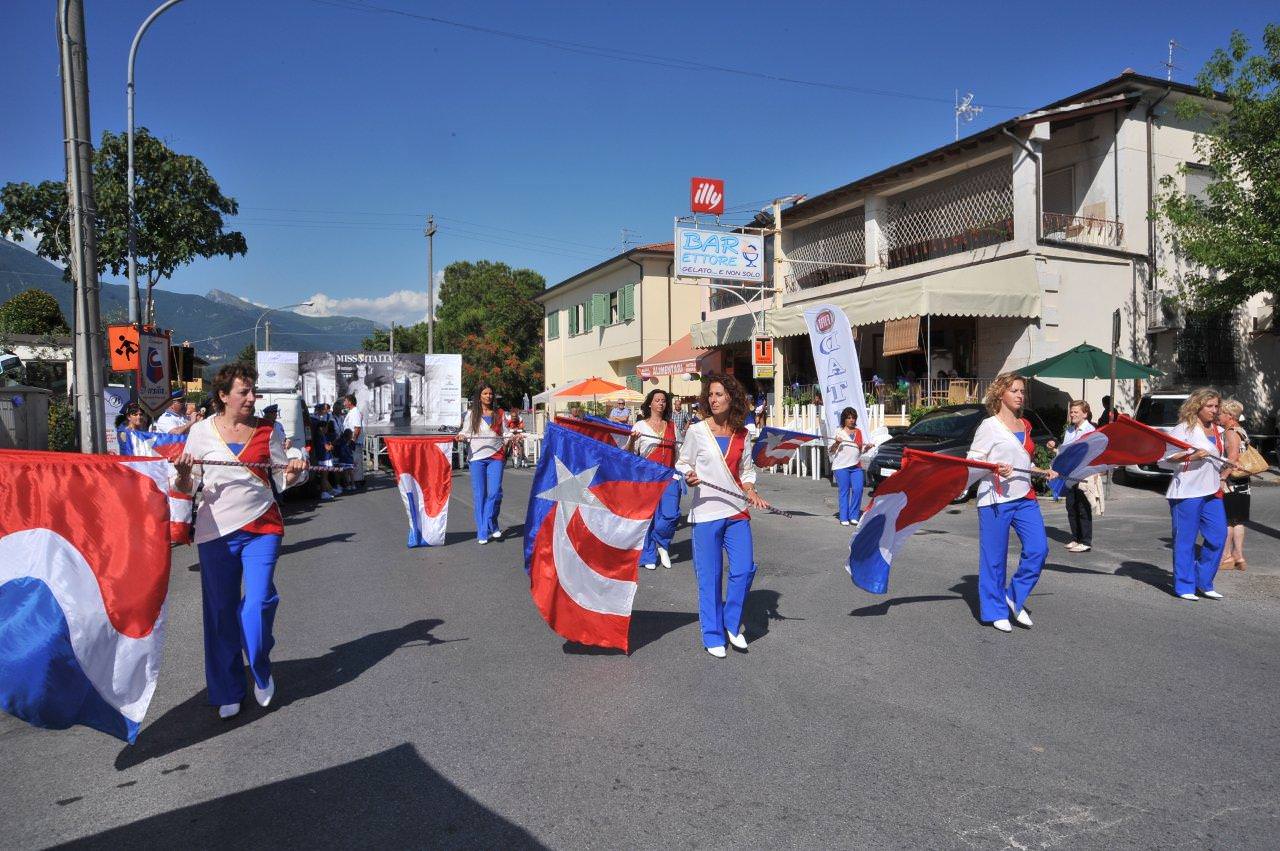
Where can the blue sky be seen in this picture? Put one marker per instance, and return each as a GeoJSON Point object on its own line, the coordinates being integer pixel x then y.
{"type": "Point", "coordinates": [338, 127]}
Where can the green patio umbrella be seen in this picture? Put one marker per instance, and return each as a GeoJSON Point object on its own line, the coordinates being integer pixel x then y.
{"type": "Point", "coordinates": [1084, 362]}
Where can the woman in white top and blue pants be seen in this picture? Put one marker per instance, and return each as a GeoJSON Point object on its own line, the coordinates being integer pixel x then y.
{"type": "Point", "coordinates": [482, 428]}
{"type": "Point", "coordinates": [717, 451]}
{"type": "Point", "coordinates": [1195, 496]}
{"type": "Point", "coordinates": [1006, 499]}
{"type": "Point", "coordinates": [846, 457]}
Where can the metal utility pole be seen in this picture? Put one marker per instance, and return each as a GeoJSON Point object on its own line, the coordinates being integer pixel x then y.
{"type": "Point", "coordinates": [83, 215]}
{"type": "Point", "coordinates": [391, 338]}
{"type": "Point", "coordinates": [431, 285]}
{"type": "Point", "coordinates": [266, 335]}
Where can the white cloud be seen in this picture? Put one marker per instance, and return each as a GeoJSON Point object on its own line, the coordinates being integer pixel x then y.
{"type": "Point", "coordinates": [403, 307]}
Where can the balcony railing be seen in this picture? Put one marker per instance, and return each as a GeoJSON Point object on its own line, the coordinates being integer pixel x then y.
{"type": "Point", "coordinates": [1085, 230]}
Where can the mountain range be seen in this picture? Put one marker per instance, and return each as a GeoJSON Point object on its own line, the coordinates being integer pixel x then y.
{"type": "Point", "coordinates": [218, 323]}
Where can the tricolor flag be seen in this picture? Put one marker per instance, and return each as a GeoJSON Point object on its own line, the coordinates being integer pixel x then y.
{"type": "Point", "coordinates": [775, 446]}
{"type": "Point", "coordinates": [425, 474]}
{"type": "Point", "coordinates": [155, 444]}
{"type": "Point", "coordinates": [1125, 441]}
{"type": "Point", "coordinates": [926, 484]}
{"type": "Point", "coordinates": [597, 429]}
{"type": "Point", "coordinates": [589, 510]}
{"type": "Point", "coordinates": [84, 570]}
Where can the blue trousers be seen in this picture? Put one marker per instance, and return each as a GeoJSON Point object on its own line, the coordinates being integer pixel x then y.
{"type": "Point", "coordinates": [993, 554]}
{"type": "Point", "coordinates": [233, 624]}
{"type": "Point", "coordinates": [486, 494]}
{"type": "Point", "coordinates": [1195, 516]}
{"type": "Point", "coordinates": [850, 481]}
{"type": "Point", "coordinates": [664, 523]}
{"type": "Point", "coordinates": [712, 539]}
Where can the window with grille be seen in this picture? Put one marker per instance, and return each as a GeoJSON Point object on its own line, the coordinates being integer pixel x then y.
{"type": "Point", "coordinates": [1206, 349]}
{"type": "Point", "coordinates": [818, 249]}
{"type": "Point", "coordinates": [970, 210]}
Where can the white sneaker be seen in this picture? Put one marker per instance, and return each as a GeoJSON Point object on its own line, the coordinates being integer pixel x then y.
{"type": "Point", "coordinates": [664, 557]}
{"type": "Point", "coordinates": [325, 496]}
{"type": "Point", "coordinates": [1212, 595]}
{"type": "Point", "coordinates": [717, 652]}
{"type": "Point", "coordinates": [228, 710]}
{"type": "Point", "coordinates": [1192, 597]}
{"type": "Point", "coordinates": [482, 541]}
{"type": "Point", "coordinates": [650, 567]}
{"type": "Point", "coordinates": [264, 695]}
{"type": "Point", "coordinates": [1083, 548]}
{"type": "Point", "coordinates": [497, 535]}
{"type": "Point", "coordinates": [1021, 615]}
{"type": "Point", "coordinates": [844, 522]}
{"type": "Point", "coordinates": [739, 641]}
{"type": "Point", "coordinates": [1002, 625]}
{"type": "Point", "coordinates": [855, 523]}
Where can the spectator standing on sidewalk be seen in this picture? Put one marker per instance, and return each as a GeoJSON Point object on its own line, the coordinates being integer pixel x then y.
{"type": "Point", "coordinates": [353, 419]}
{"type": "Point", "coordinates": [1079, 506]}
{"type": "Point", "coordinates": [1235, 499]}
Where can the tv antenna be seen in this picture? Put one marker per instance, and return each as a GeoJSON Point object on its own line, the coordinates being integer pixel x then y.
{"type": "Point", "coordinates": [629, 237]}
{"type": "Point", "coordinates": [1168, 65]}
{"type": "Point", "coordinates": [966, 110]}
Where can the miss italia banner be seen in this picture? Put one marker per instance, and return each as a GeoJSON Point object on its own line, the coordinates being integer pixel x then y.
{"type": "Point", "coordinates": [836, 357]}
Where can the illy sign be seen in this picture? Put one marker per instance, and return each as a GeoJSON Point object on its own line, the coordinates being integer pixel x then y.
{"type": "Point", "coordinates": [706, 195]}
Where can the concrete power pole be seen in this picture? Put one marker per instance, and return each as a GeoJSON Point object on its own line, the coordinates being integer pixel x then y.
{"type": "Point", "coordinates": [266, 337]}
{"type": "Point", "coordinates": [431, 285]}
{"type": "Point", "coordinates": [391, 338]}
{"type": "Point", "coordinates": [83, 214]}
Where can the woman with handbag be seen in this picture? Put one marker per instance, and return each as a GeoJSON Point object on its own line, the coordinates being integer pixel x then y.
{"type": "Point", "coordinates": [1235, 498]}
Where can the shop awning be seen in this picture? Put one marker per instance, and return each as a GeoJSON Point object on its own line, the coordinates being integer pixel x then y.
{"type": "Point", "coordinates": [1007, 287]}
{"type": "Point", "coordinates": [679, 358]}
{"type": "Point", "coordinates": [722, 332]}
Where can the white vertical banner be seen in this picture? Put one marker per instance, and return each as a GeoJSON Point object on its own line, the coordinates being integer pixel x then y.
{"type": "Point", "coordinates": [836, 358]}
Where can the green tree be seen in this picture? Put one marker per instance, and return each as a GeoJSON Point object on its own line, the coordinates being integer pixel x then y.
{"type": "Point", "coordinates": [409, 338]}
{"type": "Point", "coordinates": [32, 312]}
{"type": "Point", "coordinates": [488, 314]}
{"type": "Point", "coordinates": [180, 210]}
{"type": "Point", "coordinates": [1231, 238]}
{"type": "Point", "coordinates": [249, 355]}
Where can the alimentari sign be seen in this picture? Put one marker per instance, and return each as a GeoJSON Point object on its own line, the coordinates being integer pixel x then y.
{"type": "Point", "coordinates": [717, 254]}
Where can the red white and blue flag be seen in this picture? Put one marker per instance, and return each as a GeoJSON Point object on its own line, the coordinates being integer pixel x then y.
{"type": "Point", "coordinates": [1125, 441]}
{"type": "Point", "coordinates": [156, 444]}
{"type": "Point", "coordinates": [775, 446]}
{"type": "Point", "coordinates": [597, 429]}
{"type": "Point", "coordinates": [926, 484]}
{"type": "Point", "coordinates": [589, 510]}
{"type": "Point", "coordinates": [84, 569]}
{"type": "Point", "coordinates": [424, 472]}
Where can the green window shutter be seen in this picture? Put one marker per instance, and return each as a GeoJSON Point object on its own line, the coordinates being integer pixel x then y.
{"type": "Point", "coordinates": [587, 316]}
{"type": "Point", "coordinates": [553, 325]}
{"type": "Point", "coordinates": [600, 309]}
{"type": "Point", "coordinates": [627, 303]}
{"type": "Point", "coordinates": [636, 383]}
{"type": "Point", "coordinates": [573, 320]}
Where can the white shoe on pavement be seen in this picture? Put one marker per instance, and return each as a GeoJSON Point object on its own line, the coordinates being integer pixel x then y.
{"type": "Point", "coordinates": [844, 522]}
{"type": "Point", "coordinates": [738, 641]}
{"type": "Point", "coordinates": [497, 535]}
{"type": "Point", "coordinates": [1191, 597]}
{"type": "Point", "coordinates": [264, 695]}
{"type": "Point", "coordinates": [664, 557]}
{"type": "Point", "coordinates": [482, 541]}
{"type": "Point", "coordinates": [1002, 625]}
{"type": "Point", "coordinates": [1212, 595]}
{"type": "Point", "coordinates": [650, 567]}
{"type": "Point", "coordinates": [1021, 615]}
{"type": "Point", "coordinates": [228, 710]}
{"type": "Point", "coordinates": [717, 652]}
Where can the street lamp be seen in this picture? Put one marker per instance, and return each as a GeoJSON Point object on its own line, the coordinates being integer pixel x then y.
{"type": "Point", "coordinates": [268, 310]}
{"type": "Point", "coordinates": [134, 307]}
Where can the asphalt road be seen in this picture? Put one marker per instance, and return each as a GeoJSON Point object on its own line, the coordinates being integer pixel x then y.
{"type": "Point", "coordinates": [423, 702]}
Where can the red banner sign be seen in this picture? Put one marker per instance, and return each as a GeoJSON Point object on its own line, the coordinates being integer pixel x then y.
{"type": "Point", "coordinates": [706, 195]}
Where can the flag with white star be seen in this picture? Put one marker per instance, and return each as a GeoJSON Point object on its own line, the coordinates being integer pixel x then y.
{"type": "Point", "coordinates": [589, 510]}
{"type": "Point", "coordinates": [776, 445]}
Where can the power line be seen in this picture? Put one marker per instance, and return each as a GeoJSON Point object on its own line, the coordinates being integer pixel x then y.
{"type": "Point", "coordinates": [643, 58]}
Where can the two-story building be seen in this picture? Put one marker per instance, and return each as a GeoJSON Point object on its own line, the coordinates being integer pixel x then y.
{"type": "Point", "coordinates": [1009, 246]}
{"type": "Point", "coordinates": [621, 319]}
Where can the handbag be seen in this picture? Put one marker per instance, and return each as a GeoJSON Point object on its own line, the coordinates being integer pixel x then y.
{"type": "Point", "coordinates": [1251, 463]}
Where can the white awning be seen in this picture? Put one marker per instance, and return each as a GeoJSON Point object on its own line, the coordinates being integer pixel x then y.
{"type": "Point", "coordinates": [721, 332]}
{"type": "Point", "coordinates": [1006, 287]}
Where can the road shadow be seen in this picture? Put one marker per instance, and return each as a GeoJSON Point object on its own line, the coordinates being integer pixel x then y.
{"type": "Point", "coordinates": [391, 799]}
{"type": "Point", "coordinates": [1255, 526]}
{"type": "Point", "coordinates": [967, 588]}
{"type": "Point", "coordinates": [1071, 568]}
{"type": "Point", "coordinates": [458, 537]}
{"type": "Point", "coordinates": [647, 626]}
{"type": "Point", "coordinates": [1062, 537]}
{"type": "Point", "coordinates": [194, 721]}
{"type": "Point", "coordinates": [312, 543]}
{"type": "Point", "coordinates": [1156, 577]}
{"type": "Point", "coordinates": [878, 609]}
{"type": "Point", "coordinates": [760, 607]}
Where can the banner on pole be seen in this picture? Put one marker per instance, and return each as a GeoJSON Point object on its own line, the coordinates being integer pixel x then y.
{"type": "Point", "coordinates": [836, 357]}
{"type": "Point", "coordinates": [153, 371]}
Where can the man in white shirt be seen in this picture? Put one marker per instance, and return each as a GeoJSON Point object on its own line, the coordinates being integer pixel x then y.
{"type": "Point", "coordinates": [174, 420]}
{"type": "Point", "coordinates": [353, 419]}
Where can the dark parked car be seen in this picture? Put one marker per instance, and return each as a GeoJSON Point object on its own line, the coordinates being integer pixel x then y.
{"type": "Point", "coordinates": [946, 431]}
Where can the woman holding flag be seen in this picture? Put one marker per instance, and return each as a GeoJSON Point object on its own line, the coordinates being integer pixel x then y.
{"type": "Point", "coordinates": [846, 457]}
{"type": "Point", "coordinates": [1006, 499]}
{"type": "Point", "coordinates": [717, 450]}
{"type": "Point", "coordinates": [1195, 495]}
{"type": "Point", "coordinates": [482, 428]}
{"type": "Point", "coordinates": [238, 533]}
{"type": "Point", "coordinates": [654, 437]}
